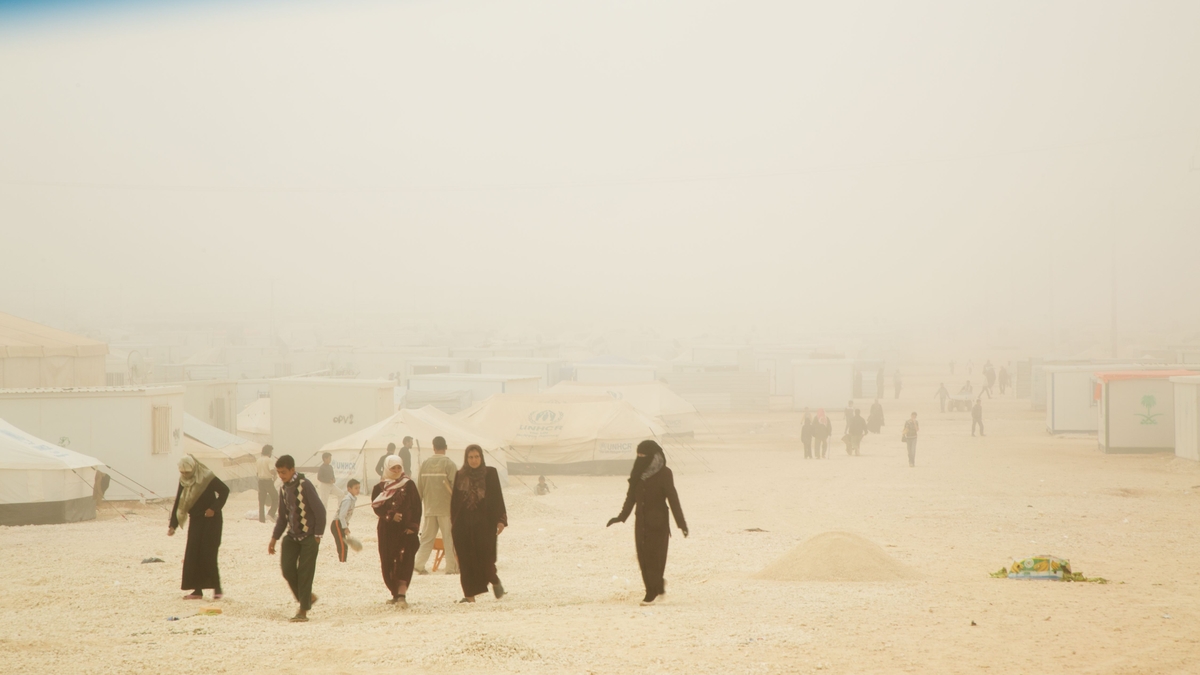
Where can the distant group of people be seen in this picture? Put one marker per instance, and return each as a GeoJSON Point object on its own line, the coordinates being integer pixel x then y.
{"type": "Point", "coordinates": [816, 430]}
{"type": "Point", "coordinates": [464, 504]}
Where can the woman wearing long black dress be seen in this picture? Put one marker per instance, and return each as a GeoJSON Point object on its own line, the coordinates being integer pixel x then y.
{"type": "Point", "coordinates": [198, 504]}
{"type": "Point", "coordinates": [398, 505]}
{"type": "Point", "coordinates": [651, 488]}
{"type": "Point", "coordinates": [477, 517]}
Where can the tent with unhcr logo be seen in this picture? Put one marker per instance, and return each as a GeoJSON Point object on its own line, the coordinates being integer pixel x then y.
{"type": "Point", "coordinates": [563, 434]}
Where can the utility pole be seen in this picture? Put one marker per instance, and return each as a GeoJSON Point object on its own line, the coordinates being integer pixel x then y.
{"type": "Point", "coordinates": [1113, 308]}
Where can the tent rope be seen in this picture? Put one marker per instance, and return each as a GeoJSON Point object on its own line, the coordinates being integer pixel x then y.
{"type": "Point", "coordinates": [93, 488]}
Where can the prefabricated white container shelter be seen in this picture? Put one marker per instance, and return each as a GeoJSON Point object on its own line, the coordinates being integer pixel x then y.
{"type": "Point", "coordinates": [549, 371]}
{"type": "Point", "coordinates": [1137, 410]}
{"type": "Point", "coordinates": [1187, 416]}
{"type": "Point", "coordinates": [612, 373]}
{"type": "Point", "coordinates": [231, 458]}
{"type": "Point", "coordinates": [213, 402]}
{"type": "Point", "coordinates": [777, 362]}
{"type": "Point", "coordinates": [42, 483]}
{"type": "Point", "coordinates": [136, 431]}
{"type": "Point", "coordinates": [433, 365]}
{"type": "Point", "coordinates": [730, 357]}
{"type": "Point", "coordinates": [476, 353]}
{"type": "Point", "coordinates": [1072, 397]}
{"type": "Point", "coordinates": [480, 386]}
{"type": "Point", "coordinates": [308, 412]}
{"type": "Point", "coordinates": [822, 383]}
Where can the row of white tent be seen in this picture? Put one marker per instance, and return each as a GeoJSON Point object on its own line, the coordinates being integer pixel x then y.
{"type": "Point", "coordinates": [572, 429]}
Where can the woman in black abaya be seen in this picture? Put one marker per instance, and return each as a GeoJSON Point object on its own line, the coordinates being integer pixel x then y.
{"type": "Point", "coordinates": [477, 517]}
{"type": "Point", "coordinates": [651, 488]}
{"type": "Point", "coordinates": [198, 504]}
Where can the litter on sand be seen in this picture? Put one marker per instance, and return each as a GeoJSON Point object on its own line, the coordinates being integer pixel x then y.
{"type": "Point", "coordinates": [151, 560]}
{"type": "Point", "coordinates": [1043, 568]}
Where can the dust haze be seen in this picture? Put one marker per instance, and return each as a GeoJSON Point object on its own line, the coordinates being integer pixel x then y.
{"type": "Point", "coordinates": [672, 166]}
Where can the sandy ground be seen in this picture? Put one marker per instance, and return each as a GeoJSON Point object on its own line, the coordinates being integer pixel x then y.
{"type": "Point", "coordinates": [76, 599]}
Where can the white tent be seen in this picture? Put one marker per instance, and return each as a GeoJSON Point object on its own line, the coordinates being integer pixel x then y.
{"type": "Point", "coordinates": [254, 423]}
{"type": "Point", "coordinates": [231, 458]}
{"type": "Point", "coordinates": [356, 455]}
{"type": "Point", "coordinates": [652, 399]}
{"type": "Point", "coordinates": [563, 434]}
{"type": "Point", "coordinates": [41, 483]}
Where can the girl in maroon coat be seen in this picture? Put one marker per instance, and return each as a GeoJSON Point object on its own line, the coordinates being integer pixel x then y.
{"type": "Point", "coordinates": [398, 506]}
{"type": "Point", "coordinates": [651, 488]}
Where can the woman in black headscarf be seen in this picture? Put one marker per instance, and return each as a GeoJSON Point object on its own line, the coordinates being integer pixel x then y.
{"type": "Point", "coordinates": [651, 487]}
{"type": "Point", "coordinates": [198, 504]}
{"type": "Point", "coordinates": [477, 517]}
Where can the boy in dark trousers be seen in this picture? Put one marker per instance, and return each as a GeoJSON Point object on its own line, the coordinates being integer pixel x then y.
{"type": "Point", "coordinates": [302, 517]}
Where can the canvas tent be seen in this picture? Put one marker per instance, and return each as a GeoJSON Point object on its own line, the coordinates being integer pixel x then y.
{"type": "Point", "coordinates": [37, 356]}
{"type": "Point", "coordinates": [356, 455]}
{"type": "Point", "coordinates": [562, 434]}
{"type": "Point", "coordinates": [1137, 410]}
{"type": "Point", "coordinates": [231, 458]}
{"type": "Point", "coordinates": [254, 423]}
{"type": "Point", "coordinates": [652, 399]}
{"type": "Point", "coordinates": [41, 483]}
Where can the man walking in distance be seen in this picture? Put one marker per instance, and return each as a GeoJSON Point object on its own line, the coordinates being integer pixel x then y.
{"type": "Point", "coordinates": [977, 416]}
{"type": "Point", "coordinates": [896, 383]}
{"type": "Point", "coordinates": [941, 395]}
{"type": "Point", "coordinates": [406, 454]}
{"type": "Point", "coordinates": [268, 496]}
{"type": "Point", "coordinates": [910, 438]}
{"type": "Point", "coordinates": [302, 516]}
{"type": "Point", "coordinates": [435, 483]}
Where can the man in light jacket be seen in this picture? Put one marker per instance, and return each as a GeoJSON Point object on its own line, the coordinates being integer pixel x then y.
{"type": "Point", "coordinates": [435, 483]}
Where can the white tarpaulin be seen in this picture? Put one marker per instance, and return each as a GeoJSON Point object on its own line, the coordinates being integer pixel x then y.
{"type": "Point", "coordinates": [254, 422]}
{"type": "Point", "coordinates": [41, 482]}
{"type": "Point", "coordinates": [356, 455]}
{"type": "Point", "coordinates": [231, 458]}
{"type": "Point", "coordinates": [563, 433]}
{"type": "Point", "coordinates": [652, 399]}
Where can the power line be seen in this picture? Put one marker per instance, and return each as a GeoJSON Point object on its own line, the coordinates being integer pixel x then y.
{"type": "Point", "coordinates": [616, 183]}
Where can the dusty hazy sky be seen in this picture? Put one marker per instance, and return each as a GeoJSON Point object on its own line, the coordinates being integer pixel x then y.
{"type": "Point", "coordinates": [894, 164]}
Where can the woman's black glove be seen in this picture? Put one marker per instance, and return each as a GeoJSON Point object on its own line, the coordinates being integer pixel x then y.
{"type": "Point", "coordinates": [611, 522]}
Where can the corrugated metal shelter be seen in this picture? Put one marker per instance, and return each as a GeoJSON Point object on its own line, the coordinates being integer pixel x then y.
{"type": "Point", "coordinates": [136, 431]}
{"type": "Point", "coordinates": [35, 356]}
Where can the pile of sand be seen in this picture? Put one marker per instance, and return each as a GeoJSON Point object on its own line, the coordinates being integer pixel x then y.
{"type": "Point", "coordinates": [837, 556]}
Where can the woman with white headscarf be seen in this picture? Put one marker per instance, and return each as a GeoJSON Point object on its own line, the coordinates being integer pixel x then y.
{"type": "Point", "coordinates": [198, 503]}
{"type": "Point", "coordinates": [398, 504]}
